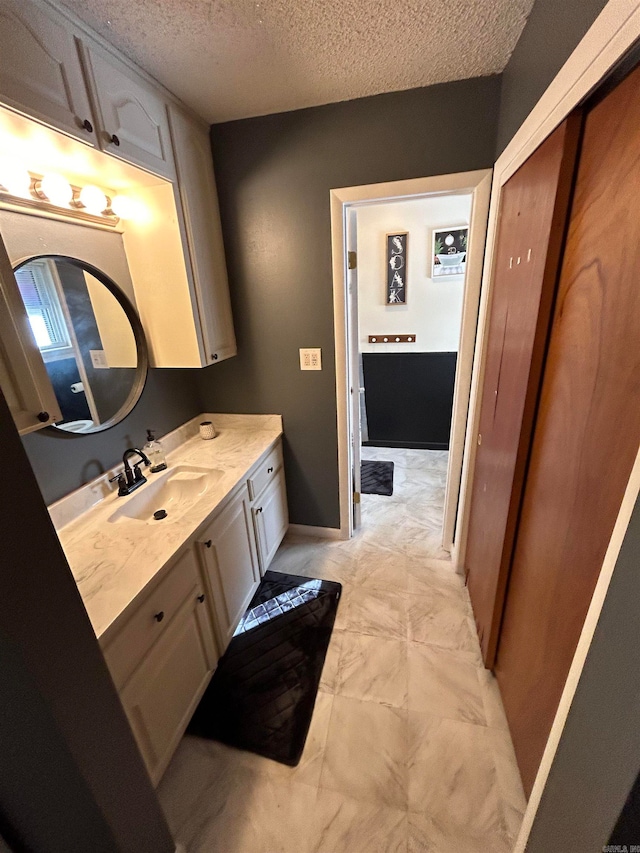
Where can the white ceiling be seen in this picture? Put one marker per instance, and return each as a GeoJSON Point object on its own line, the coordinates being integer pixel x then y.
{"type": "Point", "coordinates": [232, 59]}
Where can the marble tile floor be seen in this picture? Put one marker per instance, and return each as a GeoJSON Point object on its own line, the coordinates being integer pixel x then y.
{"type": "Point", "coordinates": [408, 750]}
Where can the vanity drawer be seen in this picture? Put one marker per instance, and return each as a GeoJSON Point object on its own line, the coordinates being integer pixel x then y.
{"type": "Point", "coordinates": [267, 472]}
{"type": "Point", "coordinates": [152, 617]}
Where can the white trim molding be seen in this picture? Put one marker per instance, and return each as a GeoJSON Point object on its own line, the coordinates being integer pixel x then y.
{"type": "Point", "coordinates": [316, 532]}
{"type": "Point", "coordinates": [476, 183]}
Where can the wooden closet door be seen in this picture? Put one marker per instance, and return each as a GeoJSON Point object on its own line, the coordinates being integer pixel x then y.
{"type": "Point", "coordinates": [535, 202]}
{"type": "Point", "coordinates": [587, 430]}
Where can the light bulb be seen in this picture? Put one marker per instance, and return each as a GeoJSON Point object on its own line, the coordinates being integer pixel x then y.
{"type": "Point", "coordinates": [14, 177]}
{"type": "Point", "coordinates": [94, 200]}
{"type": "Point", "coordinates": [57, 189]}
{"type": "Point", "coordinates": [124, 207]}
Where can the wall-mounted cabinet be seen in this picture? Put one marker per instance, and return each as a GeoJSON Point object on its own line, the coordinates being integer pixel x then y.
{"type": "Point", "coordinates": [197, 188]}
{"type": "Point", "coordinates": [131, 117]}
{"type": "Point", "coordinates": [41, 72]}
{"type": "Point", "coordinates": [56, 73]}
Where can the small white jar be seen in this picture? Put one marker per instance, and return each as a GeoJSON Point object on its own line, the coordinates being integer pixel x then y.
{"type": "Point", "coordinates": [207, 430]}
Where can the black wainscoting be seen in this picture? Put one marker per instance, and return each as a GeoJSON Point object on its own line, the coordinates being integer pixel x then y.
{"type": "Point", "coordinates": [409, 398]}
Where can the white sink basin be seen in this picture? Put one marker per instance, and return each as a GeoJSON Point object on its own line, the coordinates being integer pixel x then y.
{"type": "Point", "coordinates": [175, 492]}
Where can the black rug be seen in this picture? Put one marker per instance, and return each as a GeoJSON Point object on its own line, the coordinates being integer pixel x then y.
{"type": "Point", "coordinates": [376, 478]}
{"type": "Point", "coordinates": [262, 694]}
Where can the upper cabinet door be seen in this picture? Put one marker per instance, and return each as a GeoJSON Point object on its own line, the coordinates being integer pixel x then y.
{"type": "Point", "coordinates": [40, 72]}
{"type": "Point", "coordinates": [132, 117]}
{"type": "Point", "coordinates": [197, 186]}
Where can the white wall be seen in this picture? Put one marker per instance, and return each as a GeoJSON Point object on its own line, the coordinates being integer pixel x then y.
{"type": "Point", "coordinates": [434, 308]}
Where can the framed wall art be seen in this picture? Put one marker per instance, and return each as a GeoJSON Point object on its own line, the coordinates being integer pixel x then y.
{"type": "Point", "coordinates": [396, 256]}
{"type": "Point", "coordinates": [449, 255]}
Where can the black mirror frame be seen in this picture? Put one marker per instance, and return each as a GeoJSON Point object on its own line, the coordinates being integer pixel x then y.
{"type": "Point", "coordinates": [142, 352]}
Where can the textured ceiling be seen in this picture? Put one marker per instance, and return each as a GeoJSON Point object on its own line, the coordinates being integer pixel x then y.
{"type": "Point", "coordinates": [231, 59]}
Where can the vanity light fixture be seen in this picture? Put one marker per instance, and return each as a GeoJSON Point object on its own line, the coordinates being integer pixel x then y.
{"type": "Point", "coordinates": [31, 192]}
{"type": "Point", "coordinates": [93, 199]}
{"type": "Point", "coordinates": [124, 207]}
{"type": "Point", "coordinates": [15, 177]}
{"type": "Point", "coordinates": [55, 189]}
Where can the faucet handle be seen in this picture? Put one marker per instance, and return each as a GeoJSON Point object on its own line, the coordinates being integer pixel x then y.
{"type": "Point", "coordinates": [122, 483]}
{"type": "Point", "coordinates": [138, 476]}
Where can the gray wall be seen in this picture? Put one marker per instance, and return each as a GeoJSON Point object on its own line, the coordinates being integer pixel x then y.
{"type": "Point", "coordinates": [599, 753]}
{"type": "Point", "coordinates": [551, 33]}
{"type": "Point", "coordinates": [72, 778]}
{"type": "Point", "coordinates": [274, 174]}
{"type": "Point", "coordinates": [62, 462]}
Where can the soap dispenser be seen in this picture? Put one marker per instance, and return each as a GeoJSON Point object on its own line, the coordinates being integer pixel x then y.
{"type": "Point", "coordinates": [155, 452]}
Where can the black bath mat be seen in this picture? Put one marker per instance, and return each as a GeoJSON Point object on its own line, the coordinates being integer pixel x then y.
{"type": "Point", "coordinates": [262, 694]}
{"type": "Point", "coordinates": [376, 478]}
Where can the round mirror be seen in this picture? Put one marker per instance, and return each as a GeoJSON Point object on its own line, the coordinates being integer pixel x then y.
{"type": "Point", "coordinates": [90, 338]}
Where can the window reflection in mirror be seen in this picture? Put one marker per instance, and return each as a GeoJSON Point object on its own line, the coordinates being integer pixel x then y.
{"type": "Point", "coordinates": [86, 340]}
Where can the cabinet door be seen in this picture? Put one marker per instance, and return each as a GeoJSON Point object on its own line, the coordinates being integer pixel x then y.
{"type": "Point", "coordinates": [132, 117]}
{"type": "Point", "coordinates": [162, 694]}
{"type": "Point", "coordinates": [23, 377]}
{"type": "Point", "coordinates": [271, 518]}
{"type": "Point", "coordinates": [231, 564]}
{"type": "Point", "coordinates": [40, 73]}
{"type": "Point", "coordinates": [199, 199]}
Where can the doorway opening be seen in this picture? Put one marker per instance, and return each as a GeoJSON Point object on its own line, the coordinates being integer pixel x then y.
{"type": "Point", "coordinates": [406, 254]}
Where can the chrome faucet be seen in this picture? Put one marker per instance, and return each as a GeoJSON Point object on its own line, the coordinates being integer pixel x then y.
{"type": "Point", "coordinates": [129, 480]}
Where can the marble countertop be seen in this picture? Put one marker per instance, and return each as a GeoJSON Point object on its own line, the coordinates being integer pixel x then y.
{"type": "Point", "coordinates": [112, 563]}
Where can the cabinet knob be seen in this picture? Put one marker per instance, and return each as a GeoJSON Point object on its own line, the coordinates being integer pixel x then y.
{"type": "Point", "coordinates": [208, 543]}
{"type": "Point", "coordinates": [115, 139]}
{"type": "Point", "coordinates": [214, 356]}
{"type": "Point", "coordinates": [201, 598]}
{"type": "Point", "coordinates": [159, 616]}
{"type": "Point", "coordinates": [269, 470]}
{"type": "Point", "coordinates": [87, 125]}
{"type": "Point", "coordinates": [43, 417]}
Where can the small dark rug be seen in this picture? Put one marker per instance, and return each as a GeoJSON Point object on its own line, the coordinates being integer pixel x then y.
{"type": "Point", "coordinates": [262, 694]}
{"type": "Point", "coordinates": [376, 478]}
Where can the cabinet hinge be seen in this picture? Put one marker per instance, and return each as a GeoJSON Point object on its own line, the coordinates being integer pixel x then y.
{"type": "Point", "coordinates": [352, 260]}
{"type": "Point", "coordinates": [356, 497]}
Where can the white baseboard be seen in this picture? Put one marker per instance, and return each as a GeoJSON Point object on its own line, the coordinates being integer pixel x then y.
{"type": "Point", "coordinates": [318, 532]}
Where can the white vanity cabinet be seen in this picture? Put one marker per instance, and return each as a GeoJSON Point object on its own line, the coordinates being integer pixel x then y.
{"type": "Point", "coordinates": [41, 72]}
{"type": "Point", "coordinates": [230, 562]}
{"type": "Point", "coordinates": [162, 659]}
{"type": "Point", "coordinates": [269, 505]}
{"type": "Point", "coordinates": [197, 188]}
{"type": "Point", "coordinates": [131, 117]}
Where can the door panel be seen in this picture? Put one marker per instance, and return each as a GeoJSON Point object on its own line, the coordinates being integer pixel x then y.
{"type": "Point", "coordinates": [587, 431]}
{"type": "Point", "coordinates": [533, 216]}
{"type": "Point", "coordinates": [40, 73]}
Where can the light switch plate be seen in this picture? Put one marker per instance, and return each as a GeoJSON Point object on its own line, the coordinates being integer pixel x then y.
{"type": "Point", "coordinates": [98, 358]}
{"type": "Point", "coordinates": [311, 358]}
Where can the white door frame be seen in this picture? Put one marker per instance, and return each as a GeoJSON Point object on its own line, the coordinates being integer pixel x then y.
{"type": "Point", "coordinates": [478, 184]}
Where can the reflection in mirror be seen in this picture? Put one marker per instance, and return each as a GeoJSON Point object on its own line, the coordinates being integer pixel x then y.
{"type": "Point", "coordinates": [90, 339]}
